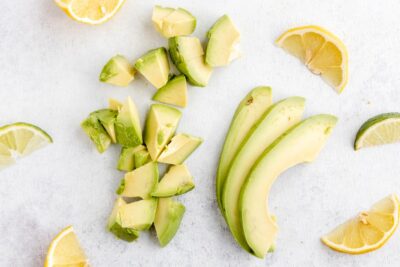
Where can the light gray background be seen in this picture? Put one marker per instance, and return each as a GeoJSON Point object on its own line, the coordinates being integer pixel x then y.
{"type": "Point", "coordinates": [49, 76]}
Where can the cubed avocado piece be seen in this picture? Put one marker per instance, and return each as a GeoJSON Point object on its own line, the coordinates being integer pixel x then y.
{"type": "Point", "coordinates": [127, 125]}
{"type": "Point", "coordinates": [174, 92]}
{"type": "Point", "coordinates": [114, 104]}
{"type": "Point", "coordinates": [114, 224]}
{"type": "Point", "coordinates": [176, 181]}
{"type": "Point", "coordinates": [173, 22]}
{"type": "Point", "coordinates": [161, 125]}
{"type": "Point", "coordinates": [140, 182]}
{"type": "Point", "coordinates": [222, 45]}
{"type": "Point", "coordinates": [138, 215]}
{"type": "Point", "coordinates": [154, 66]}
{"type": "Point", "coordinates": [188, 56]}
{"type": "Point", "coordinates": [179, 149]}
{"type": "Point", "coordinates": [141, 158]}
{"type": "Point", "coordinates": [107, 118]}
{"type": "Point", "coordinates": [168, 219]}
{"type": "Point", "coordinates": [126, 160]}
{"type": "Point", "coordinates": [118, 71]}
{"type": "Point", "coordinates": [96, 132]}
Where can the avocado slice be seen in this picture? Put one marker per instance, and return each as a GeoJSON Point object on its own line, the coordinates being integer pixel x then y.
{"type": "Point", "coordinates": [179, 149]}
{"type": "Point", "coordinates": [154, 66]}
{"type": "Point", "coordinates": [127, 125]}
{"type": "Point", "coordinates": [173, 22]}
{"type": "Point", "coordinates": [161, 125]}
{"type": "Point", "coordinates": [96, 132]}
{"type": "Point", "coordinates": [114, 224]}
{"type": "Point", "coordinates": [140, 182]}
{"type": "Point", "coordinates": [138, 215]}
{"type": "Point", "coordinates": [118, 71]}
{"type": "Point", "coordinates": [249, 111]}
{"type": "Point", "coordinates": [174, 92]}
{"type": "Point", "coordinates": [176, 181]}
{"type": "Point", "coordinates": [300, 144]}
{"type": "Point", "coordinates": [114, 104]}
{"type": "Point", "coordinates": [159, 13]}
{"type": "Point", "coordinates": [278, 119]}
{"type": "Point", "coordinates": [188, 56]}
{"type": "Point", "coordinates": [223, 39]}
{"type": "Point", "coordinates": [126, 160]}
{"type": "Point", "coordinates": [141, 158]}
{"type": "Point", "coordinates": [168, 219]}
{"type": "Point", "coordinates": [107, 118]}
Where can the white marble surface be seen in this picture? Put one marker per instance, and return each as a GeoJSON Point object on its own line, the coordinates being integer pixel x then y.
{"type": "Point", "coordinates": [49, 68]}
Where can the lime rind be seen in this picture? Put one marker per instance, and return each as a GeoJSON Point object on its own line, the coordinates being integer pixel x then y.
{"type": "Point", "coordinates": [370, 125]}
{"type": "Point", "coordinates": [34, 128]}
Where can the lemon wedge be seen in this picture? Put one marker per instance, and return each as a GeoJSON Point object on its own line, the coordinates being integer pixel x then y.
{"type": "Point", "coordinates": [321, 51]}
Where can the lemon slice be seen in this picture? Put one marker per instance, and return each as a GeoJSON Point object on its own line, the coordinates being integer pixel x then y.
{"type": "Point", "coordinates": [62, 3]}
{"type": "Point", "coordinates": [379, 130]}
{"type": "Point", "coordinates": [368, 231]}
{"type": "Point", "coordinates": [65, 250]}
{"type": "Point", "coordinates": [322, 52]}
{"type": "Point", "coordinates": [20, 139]}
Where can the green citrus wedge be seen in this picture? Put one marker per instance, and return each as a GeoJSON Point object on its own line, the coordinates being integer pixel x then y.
{"type": "Point", "coordinates": [20, 139]}
{"type": "Point", "coordinates": [379, 130]}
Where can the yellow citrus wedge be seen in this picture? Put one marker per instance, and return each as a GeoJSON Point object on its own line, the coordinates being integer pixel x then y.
{"type": "Point", "coordinates": [368, 231]}
{"type": "Point", "coordinates": [65, 250]}
{"type": "Point", "coordinates": [321, 51]}
{"type": "Point", "coordinates": [63, 4]}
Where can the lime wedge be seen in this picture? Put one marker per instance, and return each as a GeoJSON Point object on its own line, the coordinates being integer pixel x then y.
{"type": "Point", "coordinates": [379, 130]}
{"type": "Point", "coordinates": [20, 139]}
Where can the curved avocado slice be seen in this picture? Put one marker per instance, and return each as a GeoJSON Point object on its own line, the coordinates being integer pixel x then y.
{"type": "Point", "coordinates": [277, 120]}
{"type": "Point", "coordinates": [179, 149]}
{"type": "Point", "coordinates": [154, 66]}
{"type": "Point", "coordinates": [168, 219]}
{"type": "Point", "coordinates": [114, 224]}
{"type": "Point", "coordinates": [249, 111]}
{"type": "Point", "coordinates": [117, 71]}
{"type": "Point", "coordinates": [127, 125]}
{"type": "Point", "coordinates": [176, 181]}
{"type": "Point", "coordinates": [300, 144]}
{"type": "Point", "coordinates": [138, 215]}
{"type": "Point", "coordinates": [174, 92]}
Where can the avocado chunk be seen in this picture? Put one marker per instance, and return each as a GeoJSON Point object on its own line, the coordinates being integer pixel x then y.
{"type": "Point", "coordinates": [173, 22]}
{"type": "Point", "coordinates": [168, 219]}
{"type": "Point", "coordinates": [126, 160]}
{"type": "Point", "coordinates": [114, 104]}
{"type": "Point", "coordinates": [127, 125]}
{"type": "Point", "coordinates": [96, 132]}
{"type": "Point", "coordinates": [118, 71]}
{"type": "Point", "coordinates": [223, 39]}
{"type": "Point", "coordinates": [174, 92]}
{"type": "Point", "coordinates": [188, 56]}
{"type": "Point", "coordinates": [138, 215]}
{"type": "Point", "coordinates": [107, 118]}
{"type": "Point", "coordinates": [277, 120]}
{"type": "Point", "coordinates": [176, 181]}
{"type": "Point", "coordinates": [114, 224]}
{"type": "Point", "coordinates": [179, 149]}
{"type": "Point", "coordinates": [249, 111]}
{"type": "Point", "coordinates": [154, 66]}
{"type": "Point", "coordinates": [300, 144]}
{"type": "Point", "coordinates": [161, 125]}
{"type": "Point", "coordinates": [140, 182]}
{"type": "Point", "coordinates": [141, 158]}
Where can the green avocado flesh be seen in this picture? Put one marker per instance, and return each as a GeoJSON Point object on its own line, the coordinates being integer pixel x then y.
{"type": "Point", "coordinates": [96, 132]}
{"type": "Point", "coordinates": [114, 224]}
{"type": "Point", "coordinates": [176, 181]}
{"type": "Point", "coordinates": [249, 111]}
{"type": "Point", "coordinates": [140, 182]}
{"type": "Point", "coordinates": [107, 118]}
{"type": "Point", "coordinates": [141, 158]}
{"type": "Point", "coordinates": [277, 119]}
{"type": "Point", "coordinates": [154, 66]}
{"type": "Point", "coordinates": [118, 71]}
{"type": "Point", "coordinates": [126, 160]}
{"type": "Point", "coordinates": [174, 92]}
{"type": "Point", "coordinates": [114, 104]}
{"type": "Point", "coordinates": [127, 125]}
{"type": "Point", "coordinates": [300, 144]}
{"type": "Point", "coordinates": [188, 56]}
{"type": "Point", "coordinates": [173, 22]}
{"type": "Point", "coordinates": [179, 149]}
{"type": "Point", "coordinates": [138, 215]}
{"type": "Point", "coordinates": [223, 36]}
{"type": "Point", "coordinates": [161, 125]}
{"type": "Point", "coordinates": [168, 219]}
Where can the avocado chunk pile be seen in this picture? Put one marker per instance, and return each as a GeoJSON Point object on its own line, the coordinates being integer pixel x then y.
{"type": "Point", "coordinates": [194, 62]}
{"type": "Point", "coordinates": [143, 199]}
{"type": "Point", "coordinates": [264, 140]}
